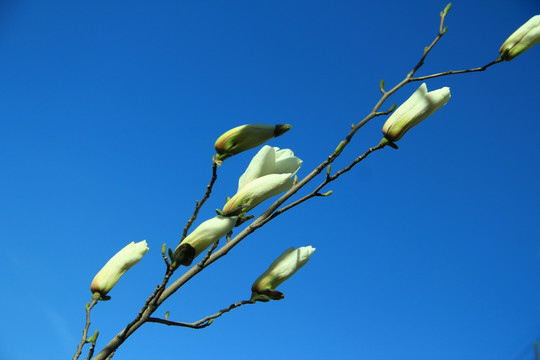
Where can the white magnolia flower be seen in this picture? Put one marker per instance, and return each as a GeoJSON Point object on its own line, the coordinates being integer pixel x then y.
{"type": "Point", "coordinates": [270, 160]}
{"type": "Point", "coordinates": [256, 191]}
{"type": "Point", "coordinates": [268, 174]}
{"type": "Point", "coordinates": [264, 288]}
{"type": "Point", "coordinates": [246, 137]}
{"type": "Point", "coordinates": [109, 275]}
{"type": "Point", "coordinates": [416, 109]}
{"type": "Point", "coordinates": [202, 237]}
{"type": "Point", "coordinates": [522, 39]}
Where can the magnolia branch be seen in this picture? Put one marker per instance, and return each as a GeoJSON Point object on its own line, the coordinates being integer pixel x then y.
{"type": "Point", "coordinates": [84, 339]}
{"type": "Point", "coordinates": [200, 203]}
{"type": "Point", "coordinates": [203, 322]}
{"type": "Point", "coordinates": [91, 350]}
{"type": "Point", "coordinates": [454, 72]}
{"type": "Point", "coordinates": [149, 305]}
{"type": "Point", "coordinates": [202, 263]}
{"type": "Point", "coordinates": [272, 211]}
{"type": "Point", "coordinates": [267, 215]}
{"type": "Point", "coordinates": [442, 31]}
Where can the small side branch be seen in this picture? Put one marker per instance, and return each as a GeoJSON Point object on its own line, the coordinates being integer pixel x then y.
{"type": "Point", "coordinates": [203, 322]}
{"type": "Point", "coordinates": [454, 72]}
{"type": "Point", "coordinates": [84, 339]}
{"type": "Point", "coordinates": [442, 31]}
{"type": "Point", "coordinates": [208, 254]}
{"type": "Point", "coordinates": [329, 178]}
{"type": "Point", "coordinates": [91, 351]}
{"type": "Point", "coordinates": [200, 203]}
{"type": "Point", "coordinates": [150, 303]}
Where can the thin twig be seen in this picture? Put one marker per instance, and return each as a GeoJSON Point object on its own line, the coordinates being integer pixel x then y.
{"type": "Point", "coordinates": [454, 72]}
{"type": "Point", "coordinates": [200, 203]}
{"type": "Point", "coordinates": [427, 50]}
{"type": "Point", "coordinates": [91, 351]}
{"type": "Point", "coordinates": [86, 327]}
{"type": "Point", "coordinates": [208, 254]}
{"type": "Point", "coordinates": [203, 322]}
{"type": "Point", "coordinates": [380, 113]}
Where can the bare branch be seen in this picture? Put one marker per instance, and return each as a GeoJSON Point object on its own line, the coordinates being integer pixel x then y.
{"type": "Point", "coordinates": [91, 351]}
{"type": "Point", "coordinates": [84, 339]}
{"type": "Point", "coordinates": [200, 203]}
{"type": "Point", "coordinates": [209, 253]}
{"type": "Point", "coordinates": [452, 72]}
{"type": "Point", "coordinates": [204, 322]}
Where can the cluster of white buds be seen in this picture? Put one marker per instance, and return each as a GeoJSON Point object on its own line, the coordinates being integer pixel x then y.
{"type": "Point", "coordinates": [271, 172]}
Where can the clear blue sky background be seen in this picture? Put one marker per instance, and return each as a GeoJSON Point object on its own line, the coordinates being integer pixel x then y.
{"type": "Point", "coordinates": [108, 115]}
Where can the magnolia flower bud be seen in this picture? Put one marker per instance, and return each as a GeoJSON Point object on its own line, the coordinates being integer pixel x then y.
{"type": "Point", "coordinates": [246, 137]}
{"type": "Point", "coordinates": [264, 288]}
{"type": "Point", "coordinates": [256, 191]}
{"type": "Point", "coordinates": [416, 109]}
{"type": "Point", "coordinates": [109, 275]}
{"type": "Point", "coordinates": [270, 160]}
{"type": "Point", "coordinates": [201, 238]}
{"type": "Point", "coordinates": [522, 39]}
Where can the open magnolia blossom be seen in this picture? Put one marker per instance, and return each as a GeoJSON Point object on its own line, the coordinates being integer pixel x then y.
{"type": "Point", "coordinates": [268, 174]}
{"type": "Point", "coordinates": [256, 191]}
{"type": "Point", "coordinates": [414, 110]}
{"type": "Point", "coordinates": [109, 275]}
{"type": "Point", "coordinates": [522, 39]}
{"type": "Point", "coordinates": [264, 288]}
{"type": "Point", "coordinates": [201, 238]}
{"type": "Point", "coordinates": [245, 137]}
{"type": "Point", "coordinates": [270, 160]}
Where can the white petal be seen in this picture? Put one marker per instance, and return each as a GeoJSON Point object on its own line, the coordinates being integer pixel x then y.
{"type": "Point", "coordinates": [286, 162]}
{"type": "Point", "coordinates": [261, 164]}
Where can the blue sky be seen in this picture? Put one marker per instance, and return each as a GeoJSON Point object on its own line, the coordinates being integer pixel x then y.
{"type": "Point", "coordinates": [109, 111]}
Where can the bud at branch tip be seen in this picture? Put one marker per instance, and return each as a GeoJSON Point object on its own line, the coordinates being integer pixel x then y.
{"type": "Point", "coordinates": [245, 137]}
